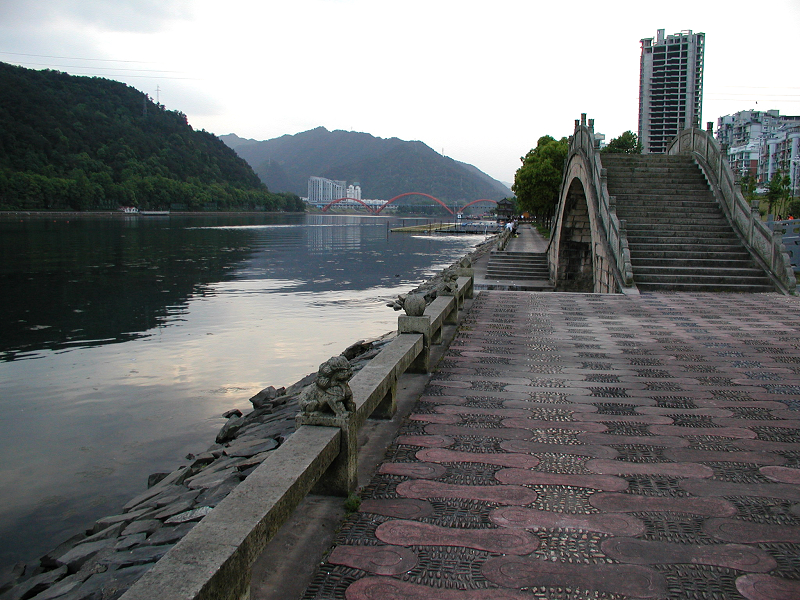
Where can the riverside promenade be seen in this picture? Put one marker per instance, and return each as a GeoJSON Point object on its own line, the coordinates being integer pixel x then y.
{"type": "Point", "coordinates": [586, 446]}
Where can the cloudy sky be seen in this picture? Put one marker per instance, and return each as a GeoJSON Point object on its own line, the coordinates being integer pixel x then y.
{"type": "Point", "coordinates": [478, 81]}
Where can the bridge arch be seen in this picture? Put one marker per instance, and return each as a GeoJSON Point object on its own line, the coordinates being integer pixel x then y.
{"type": "Point", "coordinates": [475, 202]}
{"type": "Point", "coordinates": [367, 206]}
{"type": "Point", "coordinates": [588, 249]}
{"type": "Point", "coordinates": [435, 199]}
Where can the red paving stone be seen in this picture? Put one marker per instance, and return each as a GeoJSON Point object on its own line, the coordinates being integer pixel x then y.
{"type": "Point", "coordinates": [581, 446]}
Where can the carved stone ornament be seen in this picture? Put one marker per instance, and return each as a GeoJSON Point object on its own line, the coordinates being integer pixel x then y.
{"type": "Point", "coordinates": [414, 305]}
{"type": "Point", "coordinates": [330, 395]}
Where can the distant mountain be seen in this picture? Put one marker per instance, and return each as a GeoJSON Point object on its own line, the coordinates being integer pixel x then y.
{"type": "Point", "coordinates": [87, 143]}
{"type": "Point", "coordinates": [383, 167]}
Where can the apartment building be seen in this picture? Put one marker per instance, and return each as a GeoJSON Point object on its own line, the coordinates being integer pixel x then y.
{"type": "Point", "coordinates": [322, 191]}
{"type": "Point", "coordinates": [762, 143]}
{"type": "Point", "coordinates": [670, 87]}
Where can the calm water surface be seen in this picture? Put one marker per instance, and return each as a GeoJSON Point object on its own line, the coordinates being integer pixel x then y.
{"type": "Point", "coordinates": [123, 340]}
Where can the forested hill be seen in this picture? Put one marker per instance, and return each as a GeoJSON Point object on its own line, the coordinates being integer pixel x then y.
{"type": "Point", "coordinates": [383, 167]}
{"type": "Point", "coordinates": [87, 143]}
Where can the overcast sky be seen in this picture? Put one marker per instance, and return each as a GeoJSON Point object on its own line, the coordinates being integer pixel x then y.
{"type": "Point", "coordinates": [478, 81]}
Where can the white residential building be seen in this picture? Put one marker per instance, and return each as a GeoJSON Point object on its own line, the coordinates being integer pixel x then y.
{"type": "Point", "coordinates": [321, 191]}
{"type": "Point", "coordinates": [354, 191]}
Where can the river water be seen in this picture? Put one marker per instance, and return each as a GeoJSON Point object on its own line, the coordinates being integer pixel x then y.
{"type": "Point", "coordinates": [123, 340]}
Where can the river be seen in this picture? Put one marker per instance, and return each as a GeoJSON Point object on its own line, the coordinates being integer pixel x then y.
{"type": "Point", "coordinates": [124, 340]}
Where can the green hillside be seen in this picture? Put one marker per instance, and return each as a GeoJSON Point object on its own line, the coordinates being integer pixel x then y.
{"type": "Point", "coordinates": [87, 143]}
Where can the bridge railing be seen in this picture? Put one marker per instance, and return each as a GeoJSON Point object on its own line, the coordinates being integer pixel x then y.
{"type": "Point", "coordinates": [213, 561]}
{"type": "Point", "coordinates": [791, 239]}
{"type": "Point", "coordinates": [765, 245]}
{"type": "Point", "coordinates": [583, 140]}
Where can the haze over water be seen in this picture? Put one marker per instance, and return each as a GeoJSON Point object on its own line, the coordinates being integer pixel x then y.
{"type": "Point", "coordinates": [124, 340]}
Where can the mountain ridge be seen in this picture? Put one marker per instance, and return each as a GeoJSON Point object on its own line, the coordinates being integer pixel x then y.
{"type": "Point", "coordinates": [384, 167]}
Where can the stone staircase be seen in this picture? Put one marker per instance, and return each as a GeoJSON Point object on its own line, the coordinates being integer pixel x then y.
{"type": "Point", "coordinates": [678, 237]}
{"type": "Point", "coordinates": [518, 271]}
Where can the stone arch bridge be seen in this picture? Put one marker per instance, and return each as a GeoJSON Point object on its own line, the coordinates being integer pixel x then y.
{"type": "Point", "coordinates": [674, 221]}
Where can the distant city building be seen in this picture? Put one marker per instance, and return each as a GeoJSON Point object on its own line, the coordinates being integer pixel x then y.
{"type": "Point", "coordinates": [354, 191]}
{"type": "Point", "coordinates": [780, 153]}
{"type": "Point", "coordinates": [762, 143]}
{"type": "Point", "coordinates": [323, 191]}
{"type": "Point", "coordinates": [670, 87]}
{"type": "Point", "coordinates": [745, 126]}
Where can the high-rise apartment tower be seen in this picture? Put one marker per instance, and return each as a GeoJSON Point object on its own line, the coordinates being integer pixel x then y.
{"type": "Point", "coordinates": [670, 87]}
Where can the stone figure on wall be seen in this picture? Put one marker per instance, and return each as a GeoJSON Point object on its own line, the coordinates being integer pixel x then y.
{"type": "Point", "coordinates": [330, 393]}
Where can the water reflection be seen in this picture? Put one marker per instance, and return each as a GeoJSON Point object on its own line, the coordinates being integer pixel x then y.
{"type": "Point", "coordinates": [146, 331]}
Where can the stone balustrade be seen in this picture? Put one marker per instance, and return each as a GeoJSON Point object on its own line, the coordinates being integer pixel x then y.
{"type": "Point", "coordinates": [213, 561]}
{"type": "Point", "coordinates": [791, 239]}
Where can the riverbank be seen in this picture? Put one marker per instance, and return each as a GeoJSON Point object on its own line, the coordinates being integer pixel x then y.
{"type": "Point", "coordinates": [116, 550]}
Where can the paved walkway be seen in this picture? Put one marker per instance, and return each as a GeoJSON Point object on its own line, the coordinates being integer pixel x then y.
{"type": "Point", "coordinates": [581, 446]}
{"type": "Point", "coordinates": [528, 240]}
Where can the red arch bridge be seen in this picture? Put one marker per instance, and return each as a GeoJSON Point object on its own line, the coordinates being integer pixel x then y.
{"type": "Point", "coordinates": [377, 211]}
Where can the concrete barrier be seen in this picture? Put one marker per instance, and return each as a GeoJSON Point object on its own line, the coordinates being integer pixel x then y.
{"type": "Point", "coordinates": [213, 561]}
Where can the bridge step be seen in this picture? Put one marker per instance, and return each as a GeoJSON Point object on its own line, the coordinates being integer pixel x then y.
{"type": "Point", "coordinates": [678, 237]}
{"type": "Point", "coordinates": [670, 237]}
{"type": "Point", "coordinates": [710, 212]}
{"type": "Point", "coordinates": [677, 204]}
{"type": "Point", "coordinates": [687, 251]}
{"type": "Point", "coordinates": [699, 263]}
{"type": "Point", "coordinates": [518, 266]}
{"type": "Point", "coordinates": [704, 287]}
{"type": "Point", "coordinates": [662, 223]}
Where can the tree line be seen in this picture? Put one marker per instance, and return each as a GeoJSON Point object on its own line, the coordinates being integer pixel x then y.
{"type": "Point", "coordinates": [87, 143]}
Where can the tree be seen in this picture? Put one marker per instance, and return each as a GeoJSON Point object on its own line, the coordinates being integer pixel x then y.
{"type": "Point", "coordinates": [748, 184]}
{"type": "Point", "coordinates": [778, 191]}
{"type": "Point", "coordinates": [793, 209]}
{"type": "Point", "coordinates": [537, 181]}
{"type": "Point", "coordinates": [627, 143]}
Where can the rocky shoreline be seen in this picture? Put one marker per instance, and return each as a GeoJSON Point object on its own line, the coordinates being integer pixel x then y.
{"type": "Point", "coordinates": [105, 560]}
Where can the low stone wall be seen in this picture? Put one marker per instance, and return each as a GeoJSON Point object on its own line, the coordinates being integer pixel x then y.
{"type": "Point", "coordinates": [253, 476]}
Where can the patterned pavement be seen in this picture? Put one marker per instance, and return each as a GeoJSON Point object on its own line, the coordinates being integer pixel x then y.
{"type": "Point", "coordinates": [580, 446]}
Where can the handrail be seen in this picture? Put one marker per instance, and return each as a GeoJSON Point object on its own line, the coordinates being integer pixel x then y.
{"type": "Point", "coordinates": [764, 245]}
{"type": "Point", "coordinates": [213, 561]}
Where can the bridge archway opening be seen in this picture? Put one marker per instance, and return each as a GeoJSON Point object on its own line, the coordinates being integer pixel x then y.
{"type": "Point", "coordinates": [575, 256]}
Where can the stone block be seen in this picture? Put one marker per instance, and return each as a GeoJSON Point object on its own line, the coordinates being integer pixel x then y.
{"type": "Point", "coordinates": [36, 584]}
{"type": "Point", "coordinates": [127, 517]}
{"type": "Point", "coordinates": [73, 559]}
{"type": "Point", "coordinates": [146, 526]}
{"type": "Point", "coordinates": [418, 325]}
{"type": "Point", "coordinates": [176, 477]}
{"type": "Point", "coordinates": [341, 477]}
